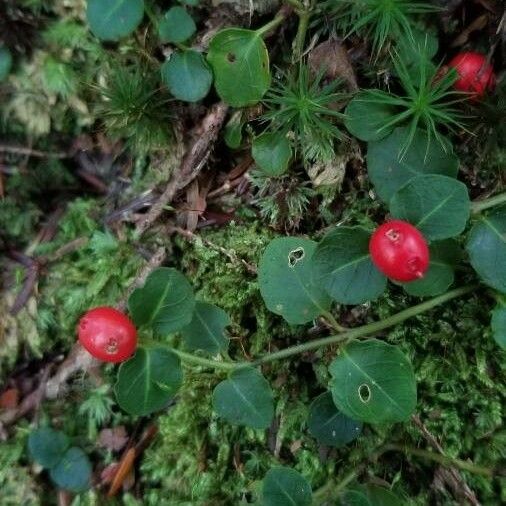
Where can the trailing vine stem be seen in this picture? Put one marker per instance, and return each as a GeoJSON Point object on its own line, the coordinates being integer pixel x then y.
{"type": "Point", "coordinates": [478, 206]}
{"type": "Point", "coordinates": [355, 333]}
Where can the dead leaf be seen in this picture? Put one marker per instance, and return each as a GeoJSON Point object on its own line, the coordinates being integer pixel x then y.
{"type": "Point", "coordinates": [113, 439]}
{"type": "Point", "coordinates": [9, 399]}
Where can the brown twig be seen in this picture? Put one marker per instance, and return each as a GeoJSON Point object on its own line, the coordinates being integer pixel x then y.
{"type": "Point", "coordinates": [21, 150]}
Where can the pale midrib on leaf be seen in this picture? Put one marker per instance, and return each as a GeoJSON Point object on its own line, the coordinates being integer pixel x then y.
{"type": "Point", "coordinates": [285, 493]}
{"type": "Point", "coordinates": [494, 229]}
{"type": "Point", "coordinates": [241, 395]}
{"type": "Point", "coordinates": [435, 210]}
{"type": "Point", "coordinates": [208, 330]}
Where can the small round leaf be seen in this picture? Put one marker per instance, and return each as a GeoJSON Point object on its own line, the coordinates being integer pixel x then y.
{"type": "Point", "coordinates": [233, 130]}
{"type": "Point", "coordinates": [343, 266]}
{"type": "Point", "coordinates": [187, 75]}
{"type": "Point", "coordinates": [498, 324]}
{"type": "Point", "coordinates": [114, 19]}
{"type": "Point", "coordinates": [5, 63]}
{"type": "Point", "coordinates": [272, 153]}
{"type": "Point", "coordinates": [47, 446]}
{"type": "Point", "coordinates": [283, 486]}
{"type": "Point", "coordinates": [374, 382]}
{"type": "Point", "coordinates": [437, 205]}
{"type": "Point", "coordinates": [245, 398]}
{"type": "Point", "coordinates": [328, 425]}
{"type": "Point", "coordinates": [176, 25]}
{"type": "Point", "coordinates": [148, 381]}
{"type": "Point", "coordinates": [73, 471]}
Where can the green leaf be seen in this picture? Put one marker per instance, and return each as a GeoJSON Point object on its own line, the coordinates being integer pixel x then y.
{"type": "Point", "coordinates": [114, 19]}
{"type": "Point", "coordinates": [240, 62]}
{"type": "Point", "coordinates": [365, 117]}
{"type": "Point", "coordinates": [444, 255]}
{"type": "Point", "coordinates": [416, 53]}
{"type": "Point", "coordinates": [233, 130]}
{"type": "Point", "coordinates": [285, 280]}
{"type": "Point", "coordinates": [283, 486]}
{"type": "Point", "coordinates": [328, 425]}
{"type": "Point", "coordinates": [498, 324]}
{"type": "Point", "coordinates": [73, 471]}
{"type": "Point", "coordinates": [245, 398]}
{"type": "Point", "coordinates": [437, 205]}
{"type": "Point", "coordinates": [165, 302]}
{"type": "Point", "coordinates": [5, 63]}
{"type": "Point", "coordinates": [343, 266]}
{"type": "Point", "coordinates": [176, 25]}
{"type": "Point", "coordinates": [47, 446]}
{"type": "Point", "coordinates": [206, 331]}
{"type": "Point", "coordinates": [272, 153]}
{"type": "Point", "coordinates": [486, 246]}
{"type": "Point", "coordinates": [388, 172]}
{"type": "Point", "coordinates": [354, 498]}
{"type": "Point", "coordinates": [187, 75]}
{"type": "Point", "coordinates": [380, 496]}
{"type": "Point", "coordinates": [374, 382]}
{"type": "Point", "coordinates": [148, 381]}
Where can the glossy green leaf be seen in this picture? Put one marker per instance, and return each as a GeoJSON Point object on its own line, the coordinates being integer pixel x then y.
{"type": "Point", "coordinates": [114, 19]}
{"type": "Point", "coordinates": [176, 25]}
{"type": "Point", "coordinates": [388, 172]}
{"type": "Point", "coordinates": [354, 498]}
{"type": "Point", "coordinates": [47, 446]}
{"type": "Point", "coordinates": [444, 255]}
{"type": "Point", "coordinates": [498, 324]}
{"type": "Point", "coordinates": [206, 331]}
{"type": "Point", "coordinates": [343, 266]}
{"type": "Point", "coordinates": [328, 425]}
{"type": "Point", "coordinates": [437, 205]}
{"type": "Point", "coordinates": [245, 398]}
{"type": "Point", "coordinates": [374, 382]}
{"type": "Point", "coordinates": [285, 280]}
{"type": "Point", "coordinates": [365, 118]}
{"type": "Point", "coordinates": [148, 381]}
{"type": "Point", "coordinates": [486, 246]}
{"type": "Point", "coordinates": [272, 153]}
{"type": "Point", "coordinates": [233, 130]}
{"type": "Point", "coordinates": [283, 486]}
{"type": "Point", "coordinates": [5, 63]}
{"type": "Point", "coordinates": [187, 75]}
{"type": "Point", "coordinates": [73, 471]}
{"type": "Point", "coordinates": [165, 302]}
{"type": "Point", "coordinates": [240, 62]}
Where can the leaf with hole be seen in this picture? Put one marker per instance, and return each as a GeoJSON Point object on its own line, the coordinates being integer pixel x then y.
{"type": "Point", "coordinates": [187, 75]}
{"type": "Point", "coordinates": [498, 324]}
{"type": "Point", "coordinates": [486, 246]}
{"type": "Point", "coordinates": [388, 172]}
{"type": "Point", "coordinates": [240, 62]}
{"type": "Point", "coordinates": [148, 381]}
{"type": "Point", "coordinates": [73, 471]}
{"type": "Point", "coordinates": [47, 446]}
{"type": "Point", "coordinates": [374, 382]}
{"type": "Point", "coordinates": [285, 280]}
{"type": "Point", "coordinates": [176, 25]}
{"type": "Point", "coordinates": [5, 63]}
{"type": "Point", "coordinates": [343, 266]}
{"type": "Point", "coordinates": [437, 205]}
{"type": "Point", "coordinates": [206, 331]}
{"type": "Point", "coordinates": [283, 486]}
{"type": "Point", "coordinates": [165, 302]}
{"type": "Point", "coordinates": [245, 398]}
{"type": "Point", "coordinates": [328, 425]}
{"type": "Point", "coordinates": [114, 19]}
{"type": "Point", "coordinates": [272, 153]}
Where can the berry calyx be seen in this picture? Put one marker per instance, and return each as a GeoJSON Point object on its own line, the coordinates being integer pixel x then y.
{"type": "Point", "coordinates": [107, 334]}
{"type": "Point", "coordinates": [475, 74]}
{"type": "Point", "coordinates": [399, 251]}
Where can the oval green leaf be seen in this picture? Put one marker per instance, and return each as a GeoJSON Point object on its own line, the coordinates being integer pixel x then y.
{"type": "Point", "coordinates": [272, 153]}
{"type": "Point", "coordinates": [114, 19]}
{"type": "Point", "coordinates": [245, 398]}
{"type": "Point", "coordinates": [148, 381]}
{"type": "Point", "coordinates": [187, 75]}
{"type": "Point", "coordinates": [176, 25]}
{"type": "Point", "coordinates": [73, 471]}
{"type": "Point", "coordinates": [47, 446]}
{"type": "Point", "coordinates": [486, 246]}
{"type": "Point", "coordinates": [283, 486]}
{"type": "Point", "coordinates": [498, 324]}
{"type": "Point", "coordinates": [388, 172]}
{"type": "Point", "coordinates": [437, 205]}
{"type": "Point", "coordinates": [5, 63]}
{"type": "Point", "coordinates": [328, 425]}
{"type": "Point", "coordinates": [240, 62]}
{"type": "Point", "coordinates": [381, 496]}
{"type": "Point", "coordinates": [285, 280]}
{"type": "Point", "coordinates": [206, 331]}
{"type": "Point", "coordinates": [165, 302]}
{"type": "Point", "coordinates": [233, 130]}
{"type": "Point", "coordinates": [374, 382]}
{"type": "Point", "coordinates": [343, 266]}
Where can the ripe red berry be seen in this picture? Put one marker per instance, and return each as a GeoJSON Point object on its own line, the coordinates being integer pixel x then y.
{"type": "Point", "coordinates": [399, 251]}
{"type": "Point", "coordinates": [475, 74]}
{"type": "Point", "coordinates": [107, 334]}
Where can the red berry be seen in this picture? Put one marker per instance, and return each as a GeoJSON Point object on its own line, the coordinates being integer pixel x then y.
{"type": "Point", "coordinates": [475, 74]}
{"type": "Point", "coordinates": [399, 251]}
{"type": "Point", "coordinates": [107, 334]}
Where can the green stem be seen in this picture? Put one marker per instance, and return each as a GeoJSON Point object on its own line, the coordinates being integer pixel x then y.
{"type": "Point", "coordinates": [329, 317]}
{"type": "Point", "coordinates": [300, 37]}
{"type": "Point", "coordinates": [480, 205]}
{"type": "Point", "coordinates": [189, 358]}
{"type": "Point", "coordinates": [269, 26]}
